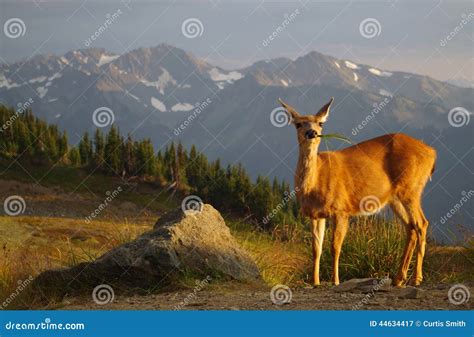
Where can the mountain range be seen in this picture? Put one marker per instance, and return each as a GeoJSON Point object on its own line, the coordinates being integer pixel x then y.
{"type": "Point", "coordinates": [168, 94]}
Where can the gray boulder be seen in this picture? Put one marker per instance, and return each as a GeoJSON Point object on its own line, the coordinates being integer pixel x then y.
{"type": "Point", "coordinates": [195, 243]}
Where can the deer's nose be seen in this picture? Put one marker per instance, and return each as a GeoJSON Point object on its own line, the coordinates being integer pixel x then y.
{"type": "Point", "coordinates": [310, 134]}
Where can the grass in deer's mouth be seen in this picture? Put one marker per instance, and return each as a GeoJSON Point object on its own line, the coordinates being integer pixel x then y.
{"type": "Point", "coordinates": [335, 136]}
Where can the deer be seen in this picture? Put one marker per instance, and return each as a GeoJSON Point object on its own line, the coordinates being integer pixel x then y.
{"type": "Point", "coordinates": [391, 169]}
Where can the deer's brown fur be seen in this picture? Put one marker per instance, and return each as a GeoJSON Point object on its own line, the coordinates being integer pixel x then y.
{"type": "Point", "coordinates": [391, 169]}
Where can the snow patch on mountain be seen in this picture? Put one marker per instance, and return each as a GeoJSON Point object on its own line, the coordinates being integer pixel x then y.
{"type": "Point", "coordinates": [157, 104]}
{"type": "Point", "coordinates": [42, 91]}
{"type": "Point", "coordinates": [104, 59]}
{"type": "Point", "coordinates": [37, 79]}
{"type": "Point", "coordinates": [356, 78]}
{"type": "Point", "coordinates": [217, 76]}
{"type": "Point", "coordinates": [163, 81]}
{"type": "Point", "coordinates": [64, 60]}
{"type": "Point", "coordinates": [182, 107]}
{"type": "Point", "coordinates": [337, 64]}
{"type": "Point", "coordinates": [54, 76]}
{"type": "Point", "coordinates": [5, 82]}
{"type": "Point", "coordinates": [380, 72]}
{"type": "Point", "coordinates": [285, 83]}
{"type": "Point", "coordinates": [351, 65]}
{"type": "Point", "coordinates": [384, 92]}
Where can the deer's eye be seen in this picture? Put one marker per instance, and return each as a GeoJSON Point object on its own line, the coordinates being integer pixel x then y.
{"type": "Point", "coordinates": [321, 124]}
{"type": "Point", "coordinates": [298, 125]}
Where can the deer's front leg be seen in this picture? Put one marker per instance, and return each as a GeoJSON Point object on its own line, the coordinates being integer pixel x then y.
{"type": "Point", "coordinates": [317, 231]}
{"type": "Point", "coordinates": [341, 224]}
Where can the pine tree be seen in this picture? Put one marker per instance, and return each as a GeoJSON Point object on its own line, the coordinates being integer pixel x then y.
{"type": "Point", "coordinates": [99, 149]}
{"type": "Point", "coordinates": [129, 157]}
{"type": "Point", "coordinates": [74, 157]}
{"type": "Point", "coordinates": [170, 163]}
{"type": "Point", "coordinates": [113, 151]}
{"type": "Point", "coordinates": [85, 150]}
{"type": "Point", "coordinates": [180, 168]}
{"type": "Point", "coordinates": [62, 145]}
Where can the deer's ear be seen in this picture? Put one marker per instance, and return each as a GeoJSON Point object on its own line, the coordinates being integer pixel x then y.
{"type": "Point", "coordinates": [323, 113]}
{"type": "Point", "coordinates": [293, 113]}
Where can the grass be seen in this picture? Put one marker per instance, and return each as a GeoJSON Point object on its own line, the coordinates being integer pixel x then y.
{"type": "Point", "coordinates": [34, 244]}
{"type": "Point", "coordinates": [373, 248]}
{"type": "Point", "coordinates": [279, 261]}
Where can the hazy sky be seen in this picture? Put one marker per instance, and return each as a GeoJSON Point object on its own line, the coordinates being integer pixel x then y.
{"type": "Point", "coordinates": [407, 35]}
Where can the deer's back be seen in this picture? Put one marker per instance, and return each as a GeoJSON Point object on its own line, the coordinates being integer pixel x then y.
{"type": "Point", "coordinates": [382, 167]}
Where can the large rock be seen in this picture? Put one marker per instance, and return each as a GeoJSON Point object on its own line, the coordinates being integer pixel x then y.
{"type": "Point", "coordinates": [196, 243]}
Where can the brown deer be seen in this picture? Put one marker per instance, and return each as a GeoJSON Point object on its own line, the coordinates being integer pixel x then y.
{"type": "Point", "coordinates": [391, 169]}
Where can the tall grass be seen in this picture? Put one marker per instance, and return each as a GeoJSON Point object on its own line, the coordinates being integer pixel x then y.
{"type": "Point", "coordinates": [373, 247]}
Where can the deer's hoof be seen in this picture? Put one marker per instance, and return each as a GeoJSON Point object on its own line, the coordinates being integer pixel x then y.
{"type": "Point", "coordinates": [398, 283]}
{"type": "Point", "coordinates": [416, 282]}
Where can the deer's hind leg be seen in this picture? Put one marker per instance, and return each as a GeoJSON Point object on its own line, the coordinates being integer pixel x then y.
{"type": "Point", "coordinates": [421, 228]}
{"type": "Point", "coordinates": [417, 226]}
{"type": "Point", "coordinates": [341, 224]}
{"type": "Point", "coordinates": [410, 244]}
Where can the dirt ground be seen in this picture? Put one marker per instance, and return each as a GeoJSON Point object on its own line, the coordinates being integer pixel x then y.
{"type": "Point", "coordinates": [244, 297]}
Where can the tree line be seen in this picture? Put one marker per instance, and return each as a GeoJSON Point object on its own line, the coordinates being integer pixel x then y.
{"type": "Point", "coordinates": [228, 188]}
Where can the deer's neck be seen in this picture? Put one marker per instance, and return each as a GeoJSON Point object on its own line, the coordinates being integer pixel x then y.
{"type": "Point", "coordinates": [307, 169]}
